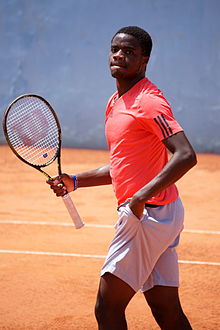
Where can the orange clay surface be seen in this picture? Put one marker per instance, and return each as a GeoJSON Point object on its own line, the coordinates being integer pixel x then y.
{"type": "Point", "coordinates": [55, 287]}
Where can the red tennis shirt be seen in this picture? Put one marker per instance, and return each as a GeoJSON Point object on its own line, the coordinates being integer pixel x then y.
{"type": "Point", "coordinates": [136, 123]}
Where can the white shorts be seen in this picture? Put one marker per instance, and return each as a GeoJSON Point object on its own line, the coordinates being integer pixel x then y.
{"type": "Point", "coordinates": [142, 253]}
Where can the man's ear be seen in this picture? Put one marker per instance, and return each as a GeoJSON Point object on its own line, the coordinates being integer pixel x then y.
{"type": "Point", "coordinates": [145, 59]}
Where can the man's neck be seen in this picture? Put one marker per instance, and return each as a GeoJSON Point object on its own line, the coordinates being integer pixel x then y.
{"type": "Point", "coordinates": [124, 85]}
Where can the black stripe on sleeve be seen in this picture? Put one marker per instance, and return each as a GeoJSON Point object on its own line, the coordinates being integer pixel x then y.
{"type": "Point", "coordinates": [161, 128]}
{"type": "Point", "coordinates": [168, 126]}
{"type": "Point", "coordinates": [163, 125]}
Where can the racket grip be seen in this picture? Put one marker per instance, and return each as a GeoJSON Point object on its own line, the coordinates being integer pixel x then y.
{"type": "Point", "coordinates": [72, 211]}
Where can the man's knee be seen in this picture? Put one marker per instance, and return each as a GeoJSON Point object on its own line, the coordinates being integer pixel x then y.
{"type": "Point", "coordinates": [105, 308]}
{"type": "Point", "coordinates": [164, 313]}
{"type": "Point", "coordinates": [164, 306]}
{"type": "Point", "coordinates": [109, 316]}
{"type": "Point", "coordinates": [100, 309]}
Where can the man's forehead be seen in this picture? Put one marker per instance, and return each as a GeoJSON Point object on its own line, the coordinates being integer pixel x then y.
{"type": "Point", "coordinates": [125, 40]}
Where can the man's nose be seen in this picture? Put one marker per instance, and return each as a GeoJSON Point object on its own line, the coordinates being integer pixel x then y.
{"type": "Point", "coordinates": [119, 54]}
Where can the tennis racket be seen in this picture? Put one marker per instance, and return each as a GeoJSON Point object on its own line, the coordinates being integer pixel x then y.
{"type": "Point", "coordinates": [33, 132]}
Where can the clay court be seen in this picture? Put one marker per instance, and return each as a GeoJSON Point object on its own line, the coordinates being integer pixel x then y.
{"type": "Point", "coordinates": [49, 271]}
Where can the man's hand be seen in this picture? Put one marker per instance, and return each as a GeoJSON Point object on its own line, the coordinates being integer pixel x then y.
{"type": "Point", "coordinates": [137, 207]}
{"type": "Point", "coordinates": [61, 184]}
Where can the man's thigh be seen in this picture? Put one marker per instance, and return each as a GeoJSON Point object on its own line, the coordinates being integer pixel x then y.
{"type": "Point", "coordinates": [114, 292]}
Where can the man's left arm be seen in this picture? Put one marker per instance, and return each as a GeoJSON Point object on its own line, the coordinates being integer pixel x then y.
{"type": "Point", "coordinates": [182, 160]}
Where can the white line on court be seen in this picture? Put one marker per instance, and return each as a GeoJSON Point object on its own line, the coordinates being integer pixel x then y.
{"type": "Point", "coordinates": [59, 254]}
{"type": "Point", "coordinates": [92, 225]}
{"type": "Point", "coordinates": [44, 223]}
{"type": "Point", "coordinates": [96, 256]}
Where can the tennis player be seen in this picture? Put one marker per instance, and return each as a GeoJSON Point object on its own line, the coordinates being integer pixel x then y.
{"type": "Point", "coordinates": [140, 129]}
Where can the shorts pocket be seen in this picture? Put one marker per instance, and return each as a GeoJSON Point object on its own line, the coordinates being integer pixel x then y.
{"type": "Point", "coordinates": [126, 219]}
{"type": "Point", "coordinates": [132, 214]}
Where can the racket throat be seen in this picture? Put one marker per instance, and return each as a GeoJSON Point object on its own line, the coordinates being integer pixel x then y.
{"type": "Point", "coordinates": [47, 175]}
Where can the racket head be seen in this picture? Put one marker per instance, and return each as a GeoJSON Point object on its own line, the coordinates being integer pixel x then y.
{"type": "Point", "coordinates": [32, 130]}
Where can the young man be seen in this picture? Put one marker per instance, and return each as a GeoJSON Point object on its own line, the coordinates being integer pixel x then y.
{"type": "Point", "coordinates": [140, 127]}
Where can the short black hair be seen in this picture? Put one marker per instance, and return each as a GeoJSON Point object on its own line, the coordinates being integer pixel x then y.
{"type": "Point", "coordinates": [141, 35]}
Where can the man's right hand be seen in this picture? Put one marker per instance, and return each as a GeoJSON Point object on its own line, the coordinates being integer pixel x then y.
{"type": "Point", "coordinates": [61, 184]}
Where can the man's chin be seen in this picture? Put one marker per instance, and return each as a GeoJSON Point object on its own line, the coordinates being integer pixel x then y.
{"type": "Point", "coordinates": [117, 74]}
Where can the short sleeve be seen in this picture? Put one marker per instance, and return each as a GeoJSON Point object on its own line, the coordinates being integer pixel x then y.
{"type": "Point", "coordinates": [155, 115]}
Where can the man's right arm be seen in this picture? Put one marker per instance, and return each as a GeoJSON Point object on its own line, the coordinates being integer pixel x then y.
{"type": "Point", "coordinates": [97, 177]}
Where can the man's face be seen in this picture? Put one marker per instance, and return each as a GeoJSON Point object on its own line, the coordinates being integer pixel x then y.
{"type": "Point", "coordinates": [126, 59]}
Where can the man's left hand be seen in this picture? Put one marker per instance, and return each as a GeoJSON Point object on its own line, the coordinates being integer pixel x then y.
{"type": "Point", "coordinates": [137, 207]}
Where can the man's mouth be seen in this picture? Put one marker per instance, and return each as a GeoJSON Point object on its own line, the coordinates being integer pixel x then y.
{"type": "Point", "coordinates": [118, 65]}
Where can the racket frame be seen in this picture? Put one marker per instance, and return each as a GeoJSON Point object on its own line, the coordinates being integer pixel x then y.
{"type": "Point", "coordinates": [58, 152]}
{"type": "Point", "coordinates": [66, 198]}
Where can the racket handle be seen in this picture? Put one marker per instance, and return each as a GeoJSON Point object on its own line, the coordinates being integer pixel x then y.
{"type": "Point", "coordinates": [72, 211]}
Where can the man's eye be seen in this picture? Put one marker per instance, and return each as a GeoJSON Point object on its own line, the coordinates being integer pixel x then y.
{"type": "Point", "coordinates": [114, 50]}
{"type": "Point", "coordinates": [128, 52]}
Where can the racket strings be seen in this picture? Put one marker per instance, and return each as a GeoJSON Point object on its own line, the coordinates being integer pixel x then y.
{"type": "Point", "coordinates": [33, 130]}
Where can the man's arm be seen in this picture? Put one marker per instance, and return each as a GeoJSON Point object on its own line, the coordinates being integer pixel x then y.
{"type": "Point", "coordinates": [96, 177]}
{"type": "Point", "coordinates": [182, 160]}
